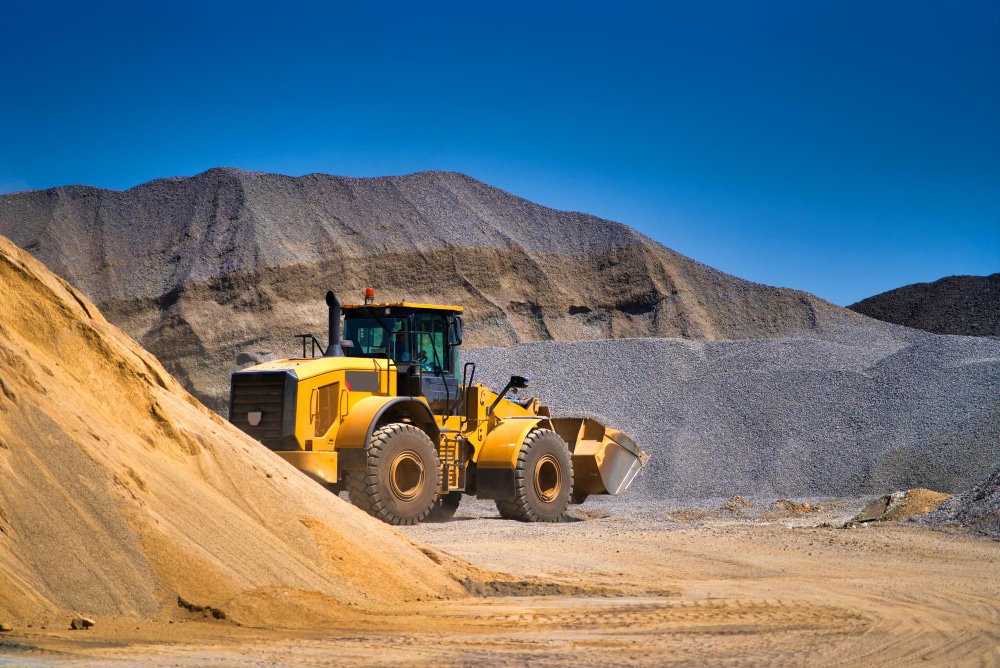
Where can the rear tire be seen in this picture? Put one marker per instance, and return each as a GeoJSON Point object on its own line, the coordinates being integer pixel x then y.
{"type": "Point", "coordinates": [543, 480]}
{"type": "Point", "coordinates": [444, 507]}
{"type": "Point", "coordinates": [402, 474]}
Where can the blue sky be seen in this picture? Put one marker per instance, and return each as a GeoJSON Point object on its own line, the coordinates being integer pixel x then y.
{"type": "Point", "coordinates": [841, 147]}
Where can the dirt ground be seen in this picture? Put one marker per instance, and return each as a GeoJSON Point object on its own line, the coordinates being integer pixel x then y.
{"type": "Point", "coordinates": [625, 586]}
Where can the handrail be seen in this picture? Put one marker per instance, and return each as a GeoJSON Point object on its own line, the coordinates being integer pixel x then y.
{"type": "Point", "coordinates": [315, 344]}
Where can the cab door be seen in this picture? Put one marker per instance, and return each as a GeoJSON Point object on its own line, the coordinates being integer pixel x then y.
{"type": "Point", "coordinates": [439, 384]}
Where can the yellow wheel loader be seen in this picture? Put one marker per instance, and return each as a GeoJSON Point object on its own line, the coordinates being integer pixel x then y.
{"type": "Point", "coordinates": [386, 414]}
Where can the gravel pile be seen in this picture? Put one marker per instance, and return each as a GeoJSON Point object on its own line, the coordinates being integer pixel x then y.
{"type": "Point", "coordinates": [851, 411]}
{"type": "Point", "coordinates": [978, 510]}
{"type": "Point", "coordinates": [964, 305]}
{"type": "Point", "coordinates": [230, 265]}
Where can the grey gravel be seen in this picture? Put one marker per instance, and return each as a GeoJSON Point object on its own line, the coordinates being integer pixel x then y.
{"type": "Point", "coordinates": [848, 412]}
{"type": "Point", "coordinates": [977, 511]}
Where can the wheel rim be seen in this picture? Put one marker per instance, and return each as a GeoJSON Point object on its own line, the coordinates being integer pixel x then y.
{"type": "Point", "coordinates": [548, 479]}
{"type": "Point", "coordinates": [406, 475]}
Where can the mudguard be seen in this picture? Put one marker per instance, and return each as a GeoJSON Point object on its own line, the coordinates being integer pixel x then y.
{"type": "Point", "coordinates": [498, 457]}
{"type": "Point", "coordinates": [357, 427]}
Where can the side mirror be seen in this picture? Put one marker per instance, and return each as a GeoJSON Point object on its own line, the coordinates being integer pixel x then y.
{"type": "Point", "coordinates": [455, 331]}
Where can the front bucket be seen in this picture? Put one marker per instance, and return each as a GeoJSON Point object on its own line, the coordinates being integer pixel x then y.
{"type": "Point", "coordinates": [605, 461]}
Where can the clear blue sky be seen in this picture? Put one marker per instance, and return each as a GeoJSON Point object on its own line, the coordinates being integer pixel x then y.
{"type": "Point", "coordinates": [839, 147]}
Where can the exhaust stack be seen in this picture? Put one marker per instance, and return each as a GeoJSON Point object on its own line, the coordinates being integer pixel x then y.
{"type": "Point", "coordinates": [334, 349]}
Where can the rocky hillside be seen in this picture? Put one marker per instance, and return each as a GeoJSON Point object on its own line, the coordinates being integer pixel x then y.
{"type": "Point", "coordinates": [122, 497]}
{"type": "Point", "coordinates": [965, 305]}
{"type": "Point", "coordinates": [230, 265]}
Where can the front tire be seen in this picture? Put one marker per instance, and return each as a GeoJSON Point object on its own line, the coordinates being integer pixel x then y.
{"type": "Point", "coordinates": [543, 479]}
{"type": "Point", "coordinates": [401, 477]}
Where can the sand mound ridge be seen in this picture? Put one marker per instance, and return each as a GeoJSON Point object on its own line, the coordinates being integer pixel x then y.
{"type": "Point", "coordinates": [122, 496]}
{"type": "Point", "coordinates": [901, 505]}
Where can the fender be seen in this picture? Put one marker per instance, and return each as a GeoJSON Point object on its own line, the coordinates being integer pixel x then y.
{"type": "Point", "coordinates": [357, 427]}
{"type": "Point", "coordinates": [498, 457]}
{"type": "Point", "coordinates": [502, 444]}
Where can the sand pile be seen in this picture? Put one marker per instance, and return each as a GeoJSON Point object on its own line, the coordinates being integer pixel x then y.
{"type": "Point", "coordinates": [901, 505]}
{"type": "Point", "coordinates": [121, 496]}
{"type": "Point", "coordinates": [224, 268]}
{"type": "Point", "coordinates": [846, 412]}
{"type": "Point", "coordinates": [978, 510]}
{"type": "Point", "coordinates": [965, 305]}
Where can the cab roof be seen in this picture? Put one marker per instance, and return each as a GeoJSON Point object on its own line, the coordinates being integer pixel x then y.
{"type": "Point", "coordinates": [404, 305]}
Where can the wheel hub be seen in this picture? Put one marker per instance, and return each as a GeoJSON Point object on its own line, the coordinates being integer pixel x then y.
{"type": "Point", "coordinates": [548, 479]}
{"type": "Point", "coordinates": [406, 475]}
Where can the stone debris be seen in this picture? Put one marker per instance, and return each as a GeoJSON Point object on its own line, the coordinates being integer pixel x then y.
{"type": "Point", "coordinates": [964, 305]}
{"type": "Point", "coordinates": [793, 507]}
{"type": "Point", "coordinates": [900, 506]}
{"type": "Point", "coordinates": [81, 623]}
{"type": "Point", "coordinates": [876, 509]}
{"type": "Point", "coordinates": [976, 511]}
{"type": "Point", "coordinates": [736, 504]}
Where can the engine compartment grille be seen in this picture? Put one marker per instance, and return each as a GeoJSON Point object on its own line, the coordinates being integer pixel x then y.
{"type": "Point", "coordinates": [260, 392]}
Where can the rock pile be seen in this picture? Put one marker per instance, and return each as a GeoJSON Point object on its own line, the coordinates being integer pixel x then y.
{"type": "Point", "coordinates": [846, 412]}
{"type": "Point", "coordinates": [978, 510]}
{"type": "Point", "coordinates": [965, 305]}
{"type": "Point", "coordinates": [224, 269]}
{"type": "Point", "coordinates": [901, 506]}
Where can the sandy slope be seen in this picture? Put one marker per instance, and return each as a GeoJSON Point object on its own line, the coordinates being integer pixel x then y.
{"type": "Point", "coordinates": [119, 493]}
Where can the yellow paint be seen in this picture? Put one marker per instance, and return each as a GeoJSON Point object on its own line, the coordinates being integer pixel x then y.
{"type": "Point", "coordinates": [315, 366]}
{"type": "Point", "coordinates": [431, 307]}
{"type": "Point", "coordinates": [354, 427]}
{"type": "Point", "coordinates": [319, 465]}
{"type": "Point", "coordinates": [503, 444]}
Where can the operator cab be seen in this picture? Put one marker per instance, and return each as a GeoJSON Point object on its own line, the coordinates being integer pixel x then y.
{"type": "Point", "coordinates": [421, 339]}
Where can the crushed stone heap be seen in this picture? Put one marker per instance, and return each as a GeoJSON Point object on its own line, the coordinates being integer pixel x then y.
{"type": "Point", "coordinates": [977, 511]}
{"type": "Point", "coordinates": [845, 412]}
{"type": "Point", "coordinates": [122, 496]}
{"type": "Point", "coordinates": [964, 305]}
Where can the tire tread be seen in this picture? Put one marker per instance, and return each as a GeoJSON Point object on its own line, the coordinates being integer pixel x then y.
{"type": "Point", "coordinates": [520, 508]}
{"type": "Point", "coordinates": [362, 486]}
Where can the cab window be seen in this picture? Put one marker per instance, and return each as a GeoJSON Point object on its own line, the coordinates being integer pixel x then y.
{"type": "Point", "coordinates": [378, 337]}
{"type": "Point", "coordinates": [429, 334]}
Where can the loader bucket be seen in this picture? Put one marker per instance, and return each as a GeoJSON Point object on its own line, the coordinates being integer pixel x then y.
{"type": "Point", "coordinates": [605, 460]}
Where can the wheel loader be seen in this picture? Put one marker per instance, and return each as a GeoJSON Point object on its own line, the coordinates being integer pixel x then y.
{"type": "Point", "coordinates": [386, 414]}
